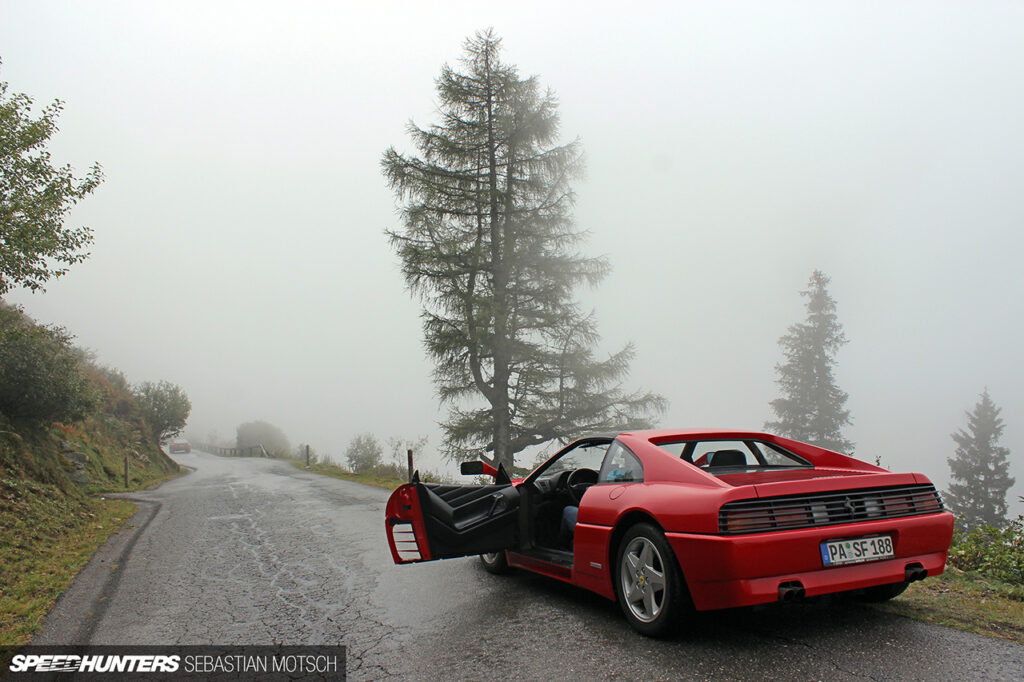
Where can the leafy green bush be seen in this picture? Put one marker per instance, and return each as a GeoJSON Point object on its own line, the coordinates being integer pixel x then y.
{"type": "Point", "coordinates": [364, 453]}
{"type": "Point", "coordinates": [116, 397]}
{"type": "Point", "coordinates": [165, 407]}
{"type": "Point", "coordinates": [991, 552]}
{"type": "Point", "coordinates": [41, 377]}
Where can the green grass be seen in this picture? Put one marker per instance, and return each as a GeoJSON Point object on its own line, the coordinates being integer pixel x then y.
{"type": "Point", "coordinates": [388, 482]}
{"type": "Point", "coordinates": [46, 537]}
{"type": "Point", "coordinates": [51, 526]}
{"type": "Point", "coordinates": [964, 601]}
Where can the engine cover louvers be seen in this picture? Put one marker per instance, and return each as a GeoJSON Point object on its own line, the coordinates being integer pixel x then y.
{"type": "Point", "coordinates": [827, 509]}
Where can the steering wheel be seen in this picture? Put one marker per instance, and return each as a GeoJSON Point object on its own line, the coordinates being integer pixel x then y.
{"type": "Point", "coordinates": [578, 482]}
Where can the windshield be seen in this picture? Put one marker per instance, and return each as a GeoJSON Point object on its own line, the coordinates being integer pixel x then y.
{"type": "Point", "coordinates": [586, 456]}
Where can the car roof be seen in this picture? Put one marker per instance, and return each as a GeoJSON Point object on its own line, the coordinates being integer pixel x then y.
{"type": "Point", "coordinates": [665, 435]}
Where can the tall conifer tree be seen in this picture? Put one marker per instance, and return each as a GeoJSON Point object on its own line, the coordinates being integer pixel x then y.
{"type": "Point", "coordinates": [489, 245]}
{"type": "Point", "coordinates": [980, 477]}
{"type": "Point", "coordinates": [812, 408]}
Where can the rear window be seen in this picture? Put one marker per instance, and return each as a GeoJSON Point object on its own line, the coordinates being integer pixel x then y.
{"type": "Point", "coordinates": [732, 455]}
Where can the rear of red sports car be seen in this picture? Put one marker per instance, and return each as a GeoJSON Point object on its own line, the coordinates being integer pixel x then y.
{"type": "Point", "coordinates": [834, 525]}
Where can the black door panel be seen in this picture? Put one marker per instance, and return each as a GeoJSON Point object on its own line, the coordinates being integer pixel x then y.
{"type": "Point", "coordinates": [466, 520]}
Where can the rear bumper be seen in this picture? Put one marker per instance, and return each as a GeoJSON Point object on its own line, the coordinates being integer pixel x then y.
{"type": "Point", "coordinates": [743, 570]}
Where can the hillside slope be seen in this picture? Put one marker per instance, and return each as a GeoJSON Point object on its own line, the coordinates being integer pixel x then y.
{"type": "Point", "coordinates": [52, 515]}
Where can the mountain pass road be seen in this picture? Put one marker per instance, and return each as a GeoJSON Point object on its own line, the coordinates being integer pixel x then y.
{"type": "Point", "coordinates": [256, 551]}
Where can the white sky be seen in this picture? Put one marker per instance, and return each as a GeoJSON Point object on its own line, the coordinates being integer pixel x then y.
{"type": "Point", "coordinates": [732, 148]}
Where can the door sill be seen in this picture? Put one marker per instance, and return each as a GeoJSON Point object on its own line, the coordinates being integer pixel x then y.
{"type": "Point", "coordinates": [551, 563]}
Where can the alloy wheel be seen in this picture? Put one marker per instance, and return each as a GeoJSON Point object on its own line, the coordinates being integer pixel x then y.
{"type": "Point", "coordinates": [642, 573]}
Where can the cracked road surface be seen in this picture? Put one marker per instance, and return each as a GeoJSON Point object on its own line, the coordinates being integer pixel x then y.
{"type": "Point", "coordinates": [253, 551]}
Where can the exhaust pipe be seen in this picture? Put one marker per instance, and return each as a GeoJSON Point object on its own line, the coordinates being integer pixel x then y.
{"type": "Point", "coordinates": [915, 572]}
{"type": "Point", "coordinates": [791, 591]}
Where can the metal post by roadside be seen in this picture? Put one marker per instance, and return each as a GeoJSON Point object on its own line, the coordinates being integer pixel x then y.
{"type": "Point", "coordinates": [126, 470]}
{"type": "Point", "coordinates": [409, 453]}
{"type": "Point", "coordinates": [307, 455]}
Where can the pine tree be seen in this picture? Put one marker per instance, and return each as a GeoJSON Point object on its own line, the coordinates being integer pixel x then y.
{"type": "Point", "coordinates": [979, 471]}
{"type": "Point", "coordinates": [812, 408]}
{"type": "Point", "coordinates": [490, 247]}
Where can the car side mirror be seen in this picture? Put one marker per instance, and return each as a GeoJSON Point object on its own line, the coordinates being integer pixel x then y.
{"type": "Point", "coordinates": [472, 468]}
{"type": "Point", "coordinates": [481, 468]}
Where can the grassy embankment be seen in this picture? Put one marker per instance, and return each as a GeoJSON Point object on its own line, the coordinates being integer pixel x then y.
{"type": "Point", "coordinates": [52, 516]}
{"type": "Point", "coordinates": [982, 590]}
{"type": "Point", "coordinates": [965, 601]}
{"type": "Point", "coordinates": [388, 477]}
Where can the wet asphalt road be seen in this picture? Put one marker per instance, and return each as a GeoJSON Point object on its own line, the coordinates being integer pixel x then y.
{"type": "Point", "coordinates": [252, 551]}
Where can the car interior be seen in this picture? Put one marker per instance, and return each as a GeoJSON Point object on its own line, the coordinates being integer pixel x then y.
{"type": "Point", "coordinates": [562, 483]}
{"type": "Point", "coordinates": [548, 491]}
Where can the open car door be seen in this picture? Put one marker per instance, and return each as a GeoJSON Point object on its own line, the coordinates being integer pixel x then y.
{"type": "Point", "coordinates": [427, 521]}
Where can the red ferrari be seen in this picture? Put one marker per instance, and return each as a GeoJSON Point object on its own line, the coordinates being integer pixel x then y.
{"type": "Point", "coordinates": [668, 521]}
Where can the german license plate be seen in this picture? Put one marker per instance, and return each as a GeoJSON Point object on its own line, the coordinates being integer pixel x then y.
{"type": "Point", "coordinates": [840, 552]}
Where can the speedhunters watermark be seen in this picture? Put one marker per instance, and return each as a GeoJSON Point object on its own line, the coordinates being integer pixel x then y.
{"type": "Point", "coordinates": [174, 663]}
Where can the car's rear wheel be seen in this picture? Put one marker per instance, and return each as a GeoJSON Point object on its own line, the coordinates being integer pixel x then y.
{"type": "Point", "coordinates": [880, 593]}
{"type": "Point", "coordinates": [648, 583]}
{"type": "Point", "coordinates": [494, 562]}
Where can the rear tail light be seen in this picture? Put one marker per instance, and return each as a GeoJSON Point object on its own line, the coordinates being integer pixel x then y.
{"type": "Point", "coordinates": [827, 509]}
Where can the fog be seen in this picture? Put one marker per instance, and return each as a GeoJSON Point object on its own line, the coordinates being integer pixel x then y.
{"type": "Point", "coordinates": [731, 149]}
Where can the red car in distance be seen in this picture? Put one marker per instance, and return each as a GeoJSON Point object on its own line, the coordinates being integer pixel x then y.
{"type": "Point", "coordinates": [179, 446]}
{"type": "Point", "coordinates": [671, 521]}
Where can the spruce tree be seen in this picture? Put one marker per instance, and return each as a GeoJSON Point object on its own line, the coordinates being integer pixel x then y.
{"type": "Point", "coordinates": [489, 245]}
{"type": "Point", "coordinates": [979, 471]}
{"type": "Point", "coordinates": [812, 408]}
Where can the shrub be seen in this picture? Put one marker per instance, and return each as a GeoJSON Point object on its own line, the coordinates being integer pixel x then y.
{"type": "Point", "coordinates": [165, 407]}
{"type": "Point", "coordinates": [364, 453]}
{"type": "Point", "coordinates": [41, 379]}
{"type": "Point", "coordinates": [115, 393]}
{"type": "Point", "coordinates": [991, 552]}
{"type": "Point", "coordinates": [401, 473]}
{"type": "Point", "coordinates": [262, 433]}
